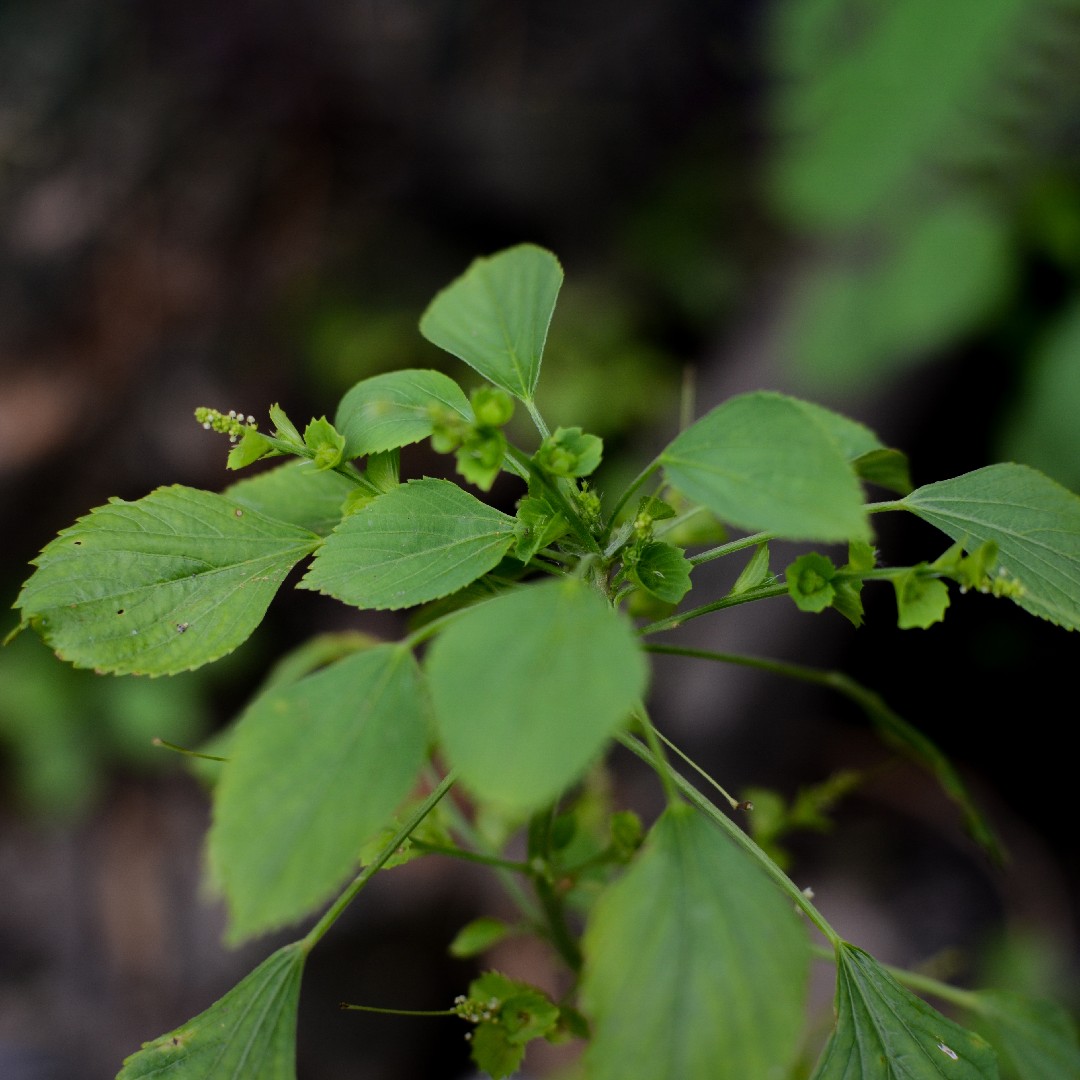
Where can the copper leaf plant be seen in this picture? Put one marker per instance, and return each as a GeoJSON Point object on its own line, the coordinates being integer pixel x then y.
{"type": "Point", "coordinates": [525, 666]}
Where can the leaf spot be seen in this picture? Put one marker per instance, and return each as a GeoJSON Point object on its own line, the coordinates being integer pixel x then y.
{"type": "Point", "coordinates": [181, 627]}
{"type": "Point", "coordinates": [238, 512]}
{"type": "Point", "coordinates": [948, 1051]}
{"type": "Point", "coordinates": [120, 611]}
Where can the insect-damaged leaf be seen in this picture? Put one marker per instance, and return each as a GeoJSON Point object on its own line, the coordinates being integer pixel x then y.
{"type": "Point", "coordinates": [161, 585]}
{"type": "Point", "coordinates": [249, 1033]}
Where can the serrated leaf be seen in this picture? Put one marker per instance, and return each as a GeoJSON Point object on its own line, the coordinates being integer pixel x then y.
{"type": "Point", "coordinates": [1034, 521]}
{"type": "Point", "coordinates": [495, 316]}
{"type": "Point", "coordinates": [583, 669]}
{"type": "Point", "coordinates": [392, 410]}
{"type": "Point", "coordinates": [1035, 1038]}
{"type": "Point", "coordinates": [885, 1032]}
{"type": "Point", "coordinates": [160, 585]}
{"type": "Point", "coordinates": [248, 1033]}
{"type": "Point", "coordinates": [316, 767]}
{"type": "Point", "coordinates": [662, 570]}
{"type": "Point", "coordinates": [423, 540]}
{"type": "Point", "coordinates": [767, 462]}
{"type": "Point", "coordinates": [695, 965]}
{"type": "Point", "coordinates": [296, 492]}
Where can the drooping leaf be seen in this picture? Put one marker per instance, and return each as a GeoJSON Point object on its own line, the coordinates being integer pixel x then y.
{"type": "Point", "coordinates": [315, 768]}
{"type": "Point", "coordinates": [885, 1032]}
{"type": "Point", "coordinates": [1035, 1039]}
{"type": "Point", "coordinates": [765, 461]}
{"type": "Point", "coordinates": [296, 492]}
{"type": "Point", "coordinates": [160, 585]}
{"type": "Point", "coordinates": [695, 966]}
{"type": "Point", "coordinates": [1034, 521]}
{"type": "Point", "coordinates": [249, 1033]}
{"type": "Point", "coordinates": [584, 672]}
{"type": "Point", "coordinates": [394, 409]}
{"type": "Point", "coordinates": [423, 540]}
{"type": "Point", "coordinates": [495, 316]}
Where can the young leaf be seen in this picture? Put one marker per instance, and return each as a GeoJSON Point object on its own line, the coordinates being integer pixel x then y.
{"type": "Point", "coordinates": [495, 316]}
{"type": "Point", "coordinates": [695, 965]}
{"type": "Point", "coordinates": [1034, 521]}
{"type": "Point", "coordinates": [296, 492]}
{"type": "Point", "coordinates": [583, 672]}
{"type": "Point", "coordinates": [478, 936]}
{"type": "Point", "coordinates": [1037, 1039]}
{"type": "Point", "coordinates": [662, 570]}
{"type": "Point", "coordinates": [767, 462]}
{"type": "Point", "coordinates": [315, 768]}
{"type": "Point", "coordinates": [393, 410]}
{"type": "Point", "coordinates": [250, 1032]}
{"type": "Point", "coordinates": [425, 539]}
{"type": "Point", "coordinates": [754, 572]}
{"type": "Point", "coordinates": [884, 1032]}
{"type": "Point", "coordinates": [161, 585]}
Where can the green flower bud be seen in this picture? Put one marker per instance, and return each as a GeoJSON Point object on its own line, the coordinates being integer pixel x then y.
{"type": "Point", "coordinates": [491, 406]}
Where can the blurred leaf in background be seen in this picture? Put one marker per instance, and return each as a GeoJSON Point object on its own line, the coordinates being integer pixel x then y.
{"type": "Point", "coordinates": [63, 731]}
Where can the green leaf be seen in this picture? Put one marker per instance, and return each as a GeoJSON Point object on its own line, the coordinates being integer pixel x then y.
{"type": "Point", "coordinates": [662, 570]}
{"type": "Point", "coordinates": [529, 686]}
{"type": "Point", "coordinates": [161, 585]}
{"type": "Point", "coordinates": [423, 540]}
{"type": "Point", "coordinates": [316, 767]}
{"type": "Point", "coordinates": [393, 410]}
{"type": "Point", "coordinates": [1035, 1038]}
{"type": "Point", "coordinates": [754, 573]}
{"type": "Point", "coordinates": [920, 601]}
{"type": "Point", "coordinates": [695, 964]}
{"type": "Point", "coordinates": [538, 525]}
{"type": "Point", "coordinates": [1034, 521]}
{"type": "Point", "coordinates": [249, 1033]}
{"type": "Point", "coordinates": [325, 442]}
{"type": "Point", "coordinates": [296, 492]}
{"type": "Point", "coordinates": [495, 316]}
{"type": "Point", "coordinates": [767, 462]}
{"type": "Point", "coordinates": [888, 469]}
{"type": "Point", "coordinates": [478, 936]}
{"type": "Point", "coordinates": [570, 452]}
{"type": "Point", "coordinates": [884, 1032]}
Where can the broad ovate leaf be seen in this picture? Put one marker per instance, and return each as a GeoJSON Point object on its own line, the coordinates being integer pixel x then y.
{"type": "Point", "coordinates": [421, 541]}
{"type": "Point", "coordinates": [1035, 1039]}
{"type": "Point", "coordinates": [695, 965]}
{"type": "Point", "coordinates": [394, 409]}
{"type": "Point", "coordinates": [296, 492]}
{"type": "Point", "coordinates": [249, 1033]}
{"type": "Point", "coordinates": [495, 316]}
{"type": "Point", "coordinates": [160, 585]}
{"type": "Point", "coordinates": [767, 462]}
{"type": "Point", "coordinates": [885, 1032]}
{"type": "Point", "coordinates": [315, 768]}
{"type": "Point", "coordinates": [1033, 520]}
{"type": "Point", "coordinates": [529, 686]}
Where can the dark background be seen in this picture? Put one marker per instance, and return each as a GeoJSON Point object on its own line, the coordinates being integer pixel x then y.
{"type": "Point", "coordinates": [236, 204]}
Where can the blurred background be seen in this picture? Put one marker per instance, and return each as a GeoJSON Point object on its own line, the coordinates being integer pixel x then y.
{"type": "Point", "coordinates": [235, 204]}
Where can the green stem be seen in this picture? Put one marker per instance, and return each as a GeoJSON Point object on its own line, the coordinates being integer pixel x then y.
{"type": "Point", "coordinates": [709, 809]}
{"type": "Point", "coordinates": [318, 931]}
{"type": "Point", "coordinates": [625, 497]}
{"type": "Point", "coordinates": [730, 548]}
{"type": "Point", "coordinates": [652, 737]}
{"type": "Point", "coordinates": [537, 419]}
{"type": "Point", "coordinates": [673, 622]}
{"type": "Point", "coordinates": [472, 856]}
{"type": "Point", "coordinates": [397, 1012]}
{"type": "Point", "coordinates": [558, 932]}
{"type": "Point", "coordinates": [687, 760]}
